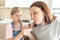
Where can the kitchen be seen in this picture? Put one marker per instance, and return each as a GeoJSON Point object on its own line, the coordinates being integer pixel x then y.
{"type": "Point", "coordinates": [5, 9]}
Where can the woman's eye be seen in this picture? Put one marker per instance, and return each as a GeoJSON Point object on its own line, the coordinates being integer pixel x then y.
{"type": "Point", "coordinates": [35, 12]}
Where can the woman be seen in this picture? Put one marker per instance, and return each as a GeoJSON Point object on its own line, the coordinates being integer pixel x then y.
{"type": "Point", "coordinates": [46, 26]}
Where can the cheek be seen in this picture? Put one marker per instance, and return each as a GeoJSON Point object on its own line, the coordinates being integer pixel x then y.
{"type": "Point", "coordinates": [40, 17]}
{"type": "Point", "coordinates": [15, 18]}
{"type": "Point", "coordinates": [20, 17]}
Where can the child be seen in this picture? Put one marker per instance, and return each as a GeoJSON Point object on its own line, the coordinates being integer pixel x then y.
{"type": "Point", "coordinates": [13, 29]}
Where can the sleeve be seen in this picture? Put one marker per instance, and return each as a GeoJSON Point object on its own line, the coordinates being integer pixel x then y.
{"type": "Point", "coordinates": [9, 33]}
{"type": "Point", "coordinates": [59, 33]}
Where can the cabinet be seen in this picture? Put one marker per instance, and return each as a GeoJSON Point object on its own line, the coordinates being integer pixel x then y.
{"type": "Point", "coordinates": [2, 3]}
{"type": "Point", "coordinates": [2, 31]}
{"type": "Point", "coordinates": [20, 3]}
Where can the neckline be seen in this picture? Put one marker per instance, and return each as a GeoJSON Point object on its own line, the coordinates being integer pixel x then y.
{"type": "Point", "coordinates": [14, 27]}
{"type": "Point", "coordinates": [39, 25]}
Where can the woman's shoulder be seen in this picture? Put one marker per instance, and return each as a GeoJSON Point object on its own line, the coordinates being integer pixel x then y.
{"type": "Point", "coordinates": [58, 27]}
{"type": "Point", "coordinates": [57, 22]}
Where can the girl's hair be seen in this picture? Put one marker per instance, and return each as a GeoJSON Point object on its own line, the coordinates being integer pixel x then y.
{"type": "Point", "coordinates": [47, 15]}
{"type": "Point", "coordinates": [15, 10]}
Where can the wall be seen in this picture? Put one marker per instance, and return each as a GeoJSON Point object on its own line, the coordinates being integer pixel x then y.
{"type": "Point", "coordinates": [48, 2]}
{"type": "Point", "coordinates": [5, 12]}
{"type": "Point", "coordinates": [2, 2]}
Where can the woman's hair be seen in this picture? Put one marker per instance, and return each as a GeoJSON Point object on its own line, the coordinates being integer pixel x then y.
{"type": "Point", "coordinates": [47, 14]}
{"type": "Point", "coordinates": [15, 10]}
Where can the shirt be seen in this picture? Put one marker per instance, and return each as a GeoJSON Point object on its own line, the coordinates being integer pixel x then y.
{"type": "Point", "coordinates": [9, 31]}
{"type": "Point", "coordinates": [47, 32]}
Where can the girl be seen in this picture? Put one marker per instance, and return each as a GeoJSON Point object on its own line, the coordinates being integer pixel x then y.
{"type": "Point", "coordinates": [14, 29]}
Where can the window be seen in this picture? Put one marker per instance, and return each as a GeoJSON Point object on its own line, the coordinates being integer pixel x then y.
{"type": "Point", "coordinates": [56, 8]}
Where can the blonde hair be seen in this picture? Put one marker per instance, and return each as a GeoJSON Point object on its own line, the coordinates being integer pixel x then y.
{"type": "Point", "coordinates": [15, 10]}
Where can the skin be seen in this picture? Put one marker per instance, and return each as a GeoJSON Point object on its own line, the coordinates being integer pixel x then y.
{"type": "Point", "coordinates": [17, 16]}
{"type": "Point", "coordinates": [37, 15]}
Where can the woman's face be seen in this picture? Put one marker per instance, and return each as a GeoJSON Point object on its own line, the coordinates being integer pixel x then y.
{"type": "Point", "coordinates": [17, 16]}
{"type": "Point", "coordinates": [36, 14]}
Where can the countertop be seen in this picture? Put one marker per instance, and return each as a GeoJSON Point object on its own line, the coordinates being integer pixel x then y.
{"type": "Point", "coordinates": [5, 21]}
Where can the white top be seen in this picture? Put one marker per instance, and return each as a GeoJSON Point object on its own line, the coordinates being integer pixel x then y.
{"type": "Point", "coordinates": [9, 31]}
{"type": "Point", "coordinates": [47, 32]}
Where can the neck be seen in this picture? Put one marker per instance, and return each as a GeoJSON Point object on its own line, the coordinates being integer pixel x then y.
{"type": "Point", "coordinates": [43, 22]}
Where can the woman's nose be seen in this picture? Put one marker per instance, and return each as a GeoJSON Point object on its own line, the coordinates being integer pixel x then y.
{"type": "Point", "coordinates": [32, 17]}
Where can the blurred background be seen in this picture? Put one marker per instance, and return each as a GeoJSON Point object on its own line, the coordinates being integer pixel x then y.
{"type": "Point", "coordinates": [6, 5]}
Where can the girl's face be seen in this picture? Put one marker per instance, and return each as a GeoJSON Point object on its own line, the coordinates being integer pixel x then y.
{"type": "Point", "coordinates": [17, 16]}
{"type": "Point", "coordinates": [36, 14]}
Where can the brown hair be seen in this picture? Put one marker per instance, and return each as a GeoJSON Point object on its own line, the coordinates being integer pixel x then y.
{"type": "Point", "coordinates": [15, 10]}
{"type": "Point", "coordinates": [47, 17]}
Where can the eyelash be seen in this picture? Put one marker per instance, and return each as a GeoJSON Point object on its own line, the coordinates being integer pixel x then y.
{"type": "Point", "coordinates": [35, 12]}
{"type": "Point", "coordinates": [17, 15]}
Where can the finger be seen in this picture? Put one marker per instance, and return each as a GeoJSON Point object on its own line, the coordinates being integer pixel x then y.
{"type": "Point", "coordinates": [31, 25]}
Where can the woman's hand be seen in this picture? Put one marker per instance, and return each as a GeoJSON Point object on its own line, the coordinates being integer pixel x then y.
{"type": "Point", "coordinates": [27, 31]}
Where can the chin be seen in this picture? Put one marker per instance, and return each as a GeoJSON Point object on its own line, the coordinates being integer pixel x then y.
{"type": "Point", "coordinates": [37, 23]}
